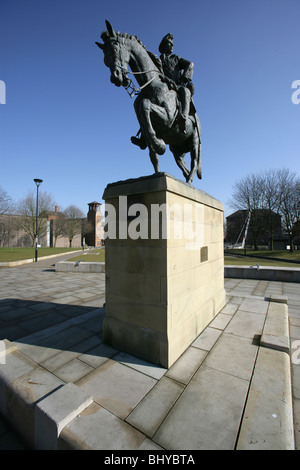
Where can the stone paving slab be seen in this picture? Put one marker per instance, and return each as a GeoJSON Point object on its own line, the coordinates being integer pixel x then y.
{"type": "Point", "coordinates": [82, 267]}
{"type": "Point", "coordinates": [55, 411]}
{"type": "Point", "coordinates": [116, 387]}
{"type": "Point", "coordinates": [151, 411]}
{"type": "Point", "coordinates": [234, 355]}
{"type": "Point", "coordinates": [214, 397]}
{"type": "Point", "coordinates": [22, 395]}
{"type": "Point", "coordinates": [267, 423]}
{"type": "Point", "coordinates": [98, 429]}
{"type": "Point", "coordinates": [212, 401]}
{"type": "Point", "coordinates": [207, 339]}
{"type": "Point", "coordinates": [276, 329]}
{"type": "Point", "coordinates": [267, 273]}
{"type": "Point", "coordinates": [13, 365]}
{"type": "Point", "coordinates": [246, 324]}
{"type": "Point", "coordinates": [187, 365]}
{"type": "Point", "coordinates": [130, 388]}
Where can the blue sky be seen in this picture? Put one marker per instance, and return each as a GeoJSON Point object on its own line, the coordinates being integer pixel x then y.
{"type": "Point", "coordinates": [64, 122]}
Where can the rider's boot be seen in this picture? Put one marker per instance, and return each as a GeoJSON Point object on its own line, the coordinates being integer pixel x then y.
{"type": "Point", "coordinates": [140, 142]}
{"type": "Point", "coordinates": [182, 122]}
{"type": "Point", "coordinates": [185, 97]}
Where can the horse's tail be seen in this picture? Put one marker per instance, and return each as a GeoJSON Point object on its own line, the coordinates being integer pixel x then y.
{"type": "Point", "coordinates": [199, 164]}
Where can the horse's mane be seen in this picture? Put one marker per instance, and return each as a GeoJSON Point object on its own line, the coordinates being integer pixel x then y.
{"type": "Point", "coordinates": [105, 36]}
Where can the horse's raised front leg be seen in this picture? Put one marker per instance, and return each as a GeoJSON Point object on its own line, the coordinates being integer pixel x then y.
{"type": "Point", "coordinates": [155, 144]}
{"type": "Point", "coordinates": [143, 123]}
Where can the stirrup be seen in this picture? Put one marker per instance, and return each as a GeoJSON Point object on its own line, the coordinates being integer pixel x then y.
{"type": "Point", "coordinates": [139, 142]}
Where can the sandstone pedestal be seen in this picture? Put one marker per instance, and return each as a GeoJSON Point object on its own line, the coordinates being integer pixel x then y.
{"type": "Point", "coordinates": [164, 266]}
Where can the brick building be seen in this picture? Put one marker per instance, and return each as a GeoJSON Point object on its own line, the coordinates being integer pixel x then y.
{"type": "Point", "coordinates": [95, 235]}
{"type": "Point", "coordinates": [264, 225]}
{"type": "Point", "coordinates": [87, 231]}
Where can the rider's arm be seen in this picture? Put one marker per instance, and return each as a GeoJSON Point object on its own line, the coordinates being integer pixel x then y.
{"type": "Point", "coordinates": [187, 69]}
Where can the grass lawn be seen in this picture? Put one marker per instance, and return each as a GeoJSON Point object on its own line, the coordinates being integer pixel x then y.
{"type": "Point", "coordinates": [98, 255]}
{"type": "Point", "coordinates": [234, 261]}
{"type": "Point", "coordinates": [95, 256]}
{"type": "Point", "coordinates": [17, 254]}
{"type": "Point", "coordinates": [295, 255]}
{"type": "Point", "coordinates": [250, 261]}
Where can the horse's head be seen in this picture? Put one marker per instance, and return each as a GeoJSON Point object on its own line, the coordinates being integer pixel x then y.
{"type": "Point", "coordinates": [116, 55]}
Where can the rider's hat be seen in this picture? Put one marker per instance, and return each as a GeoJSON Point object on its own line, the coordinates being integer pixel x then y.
{"type": "Point", "coordinates": [167, 37]}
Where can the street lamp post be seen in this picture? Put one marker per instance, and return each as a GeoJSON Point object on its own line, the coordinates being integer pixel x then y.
{"type": "Point", "coordinates": [37, 182]}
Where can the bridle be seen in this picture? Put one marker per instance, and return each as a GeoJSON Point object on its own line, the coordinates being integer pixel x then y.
{"type": "Point", "coordinates": [130, 87]}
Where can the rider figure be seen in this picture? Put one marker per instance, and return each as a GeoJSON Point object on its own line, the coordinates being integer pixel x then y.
{"type": "Point", "coordinates": [177, 73]}
{"type": "Point", "coordinates": [180, 72]}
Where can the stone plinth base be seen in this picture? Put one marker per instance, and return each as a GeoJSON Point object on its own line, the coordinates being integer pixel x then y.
{"type": "Point", "coordinates": [164, 266]}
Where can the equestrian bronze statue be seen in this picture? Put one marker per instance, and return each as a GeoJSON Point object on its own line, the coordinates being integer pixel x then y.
{"type": "Point", "coordinates": [164, 100]}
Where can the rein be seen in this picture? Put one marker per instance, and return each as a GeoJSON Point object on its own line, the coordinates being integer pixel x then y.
{"type": "Point", "coordinates": [130, 88]}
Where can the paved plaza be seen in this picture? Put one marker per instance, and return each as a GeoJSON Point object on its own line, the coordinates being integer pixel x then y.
{"type": "Point", "coordinates": [231, 389]}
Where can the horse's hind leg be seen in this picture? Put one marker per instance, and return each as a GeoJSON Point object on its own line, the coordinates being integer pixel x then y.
{"type": "Point", "coordinates": [154, 160]}
{"type": "Point", "coordinates": [195, 155]}
{"type": "Point", "coordinates": [179, 158]}
{"type": "Point", "coordinates": [181, 163]}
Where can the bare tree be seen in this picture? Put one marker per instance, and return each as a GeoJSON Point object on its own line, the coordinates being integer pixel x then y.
{"type": "Point", "coordinates": [58, 228]}
{"type": "Point", "coordinates": [272, 198]}
{"type": "Point", "coordinates": [247, 196]}
{"type": "Point", "coordinates": [5, 201]}
{"type": "Point", "coordinates": [26, 208]}
{"type": "Point", "coordinates": [87, 229]}
{"type": "Point", "coordinates": [73, 222]}
{"type": "Point", "coordinates": [290, 204]}
{"type": "Point", "coordinates": [8, 227]}
{"type": "Point", "coordinates": [271, 193]}
{"type": "Point", "coordinates": [247, 193]}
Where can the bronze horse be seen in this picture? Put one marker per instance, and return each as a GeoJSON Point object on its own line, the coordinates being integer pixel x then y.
{"type": "Point", "coordinates": [156, 105]}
